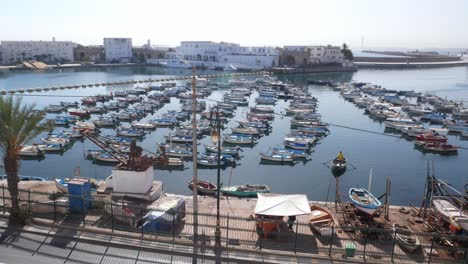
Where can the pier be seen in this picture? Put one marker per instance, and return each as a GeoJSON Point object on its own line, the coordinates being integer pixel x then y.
{"type": "Point", "coordinates": [239, 229]}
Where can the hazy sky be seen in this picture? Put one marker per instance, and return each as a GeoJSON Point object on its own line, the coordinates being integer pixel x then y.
{"type": "Point", "coordinates": [382, 23]}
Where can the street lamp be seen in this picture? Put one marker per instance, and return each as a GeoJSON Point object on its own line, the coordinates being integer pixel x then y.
{"type": "Point", "coordinates": [216, 139]}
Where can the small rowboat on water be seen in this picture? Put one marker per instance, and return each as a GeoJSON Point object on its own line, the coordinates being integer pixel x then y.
{"type": "Point", "coordinates": [339, 165]}
{"type": "Point", "coordinates": [406, 238]}
{"type": "Point", "coordinates": [224, 150]}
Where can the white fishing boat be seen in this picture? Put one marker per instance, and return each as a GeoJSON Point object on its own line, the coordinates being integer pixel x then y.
{"type": "Point", "coordinates": [31, 151]}
{"type": "Point", "coordinates": [139, 125]}
{"type": "Point", "coordinates": [449, 212]}
{"type": "Point", "coordinates": [246, 130]}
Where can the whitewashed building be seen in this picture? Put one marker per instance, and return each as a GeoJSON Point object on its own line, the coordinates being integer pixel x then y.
{"type": "Point", "coordinates": [319, 54]}
{"type": "Point", "coordinates": [49, 51]}
{"type": "Point", "coordinates": [118, 50]}
{"type": "Point", "coordinates": [225, 55]}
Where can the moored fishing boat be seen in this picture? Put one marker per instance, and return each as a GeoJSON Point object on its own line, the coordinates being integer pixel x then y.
{"type": "Point", "coordinates": [204, 187]}
{"type": "Point", "coordinates": [129, 132]}
{"type": "Point", "coordinates": [295, 153]}
{"type": "Point", "coordinates": [31, 151]}
{"type": "Point", "coordinates": [276, 157]}
{"type": "Point", "coordinates": [224, 150]}
{"type": "Point", "coordinates": [139, 125]}
{"type": "Point", "coordinates": [431, 137]}
{"type": "Point", "coordinates": [246, 130]}
{"type": "Point", "coordinates": [321, 221]}
{"type": "Point", "coordinates": [179, 138]}
{"type": "Point", "coordinates": [406, 238]}
{"type": "Point", "coordinates": [239, 139]}
{"type": "Point", "coordinates": [364, 200]}
{"type": "Point", "coordinates": [209, 162]}
{"type": "Point", "coordinates": [438, 147]}
{"type": "Point", "coordinates": [296, 143]}
{"type": "Point", "coordinates": [248, 190]}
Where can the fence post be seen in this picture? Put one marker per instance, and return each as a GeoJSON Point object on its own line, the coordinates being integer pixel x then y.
{"type": "Point", "coordinates": [331, 240]}
{"type": "Point", "coordinates": [261, 235]}
{"type": "Point", "coordinates": [3, 194]}
{"type": "Point", "coordinates": [173, 227]}
{"type": "Point", "coordinates": [29, 202]}
{"type": "Point", "coordinates": [55, 207]}
{"type": "Point", "coordinates": [432, 246]}
{"type": "Point", "coordinates": [112, 215]}
{"type": "Point", "coordinates": [394, 242]}
{"type": "Point", "coordinates": [295, 239]}
{"type": "Point", "coordinates": [365, 242]}
{"type": "Point", "coordinates": [227, 231]}
{"type": "Point", "coordinates": [83, 210]}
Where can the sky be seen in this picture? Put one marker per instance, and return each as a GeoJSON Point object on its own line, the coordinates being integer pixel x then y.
{"type": "Point", "coordinates": [379, 23]}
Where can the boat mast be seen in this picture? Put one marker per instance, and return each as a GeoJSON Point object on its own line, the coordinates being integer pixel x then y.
{"type": "Point", "coordinates": [194, 157]}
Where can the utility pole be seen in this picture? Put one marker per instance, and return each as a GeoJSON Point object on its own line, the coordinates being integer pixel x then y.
{"type": "Point", "coordinates": [194, 153]}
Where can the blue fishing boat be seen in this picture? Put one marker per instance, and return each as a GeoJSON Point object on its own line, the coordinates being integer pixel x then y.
{"type": "Point", "coordinates": [295, 153]}
{"type": "Point", "coordinates": [25, 178]}
{"type": "Point", "coordinates": [209, 162]}
{"type": "Point", "coordinates": [277, 157]}
{"type": "Point", "coordinates": [364, 200]}
{"type": "Point", "coordinates": [239, 139]}
{"type": "Point", "coordinates": [296, 143]}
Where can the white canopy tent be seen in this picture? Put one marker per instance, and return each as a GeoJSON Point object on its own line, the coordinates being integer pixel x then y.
{"type": "Point", "coordinates": [282, 205]}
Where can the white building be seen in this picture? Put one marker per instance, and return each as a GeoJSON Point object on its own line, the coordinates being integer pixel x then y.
{"type": "Point", "coordinates": [320, 54]}
{"type": "Point", "coordinates": [49, 51]}
{"type": "Point", "coordinates": [118, 50]}
{"type": "Point", "coordinates": [225, 55]}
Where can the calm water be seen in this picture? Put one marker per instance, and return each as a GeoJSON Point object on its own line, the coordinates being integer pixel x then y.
{"type": "Point", "coordinates": [390, 157]}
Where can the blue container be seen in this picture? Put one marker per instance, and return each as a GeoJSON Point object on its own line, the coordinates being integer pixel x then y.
{"type": "Point", "coordinates": [80, 195]}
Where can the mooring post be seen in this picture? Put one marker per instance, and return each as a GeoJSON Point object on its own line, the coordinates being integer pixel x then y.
{"type": "Point", "coordinates": [261, 235]}
{"type": "Point", "coordinates": [173, 227]}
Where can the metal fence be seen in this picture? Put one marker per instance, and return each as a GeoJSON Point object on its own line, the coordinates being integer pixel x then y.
{"type": "Point", "coordinates": [366, 243]}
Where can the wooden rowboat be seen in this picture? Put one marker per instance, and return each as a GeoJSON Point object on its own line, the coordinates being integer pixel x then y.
{"type": "Point", "coordinates": [321, 221]}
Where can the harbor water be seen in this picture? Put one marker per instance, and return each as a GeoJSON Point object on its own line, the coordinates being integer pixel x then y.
{"type": "Point", "coordinates": [390, 157]}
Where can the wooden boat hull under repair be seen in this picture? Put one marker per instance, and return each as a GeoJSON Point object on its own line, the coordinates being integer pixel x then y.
{"type": "Point", "coordinates": [321, 221]}
{"type": "Point", "coordinates": [406, 238]}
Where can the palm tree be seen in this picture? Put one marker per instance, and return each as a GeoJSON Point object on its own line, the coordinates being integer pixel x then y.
{"type": "Point", "coordinates": [18, 125]}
